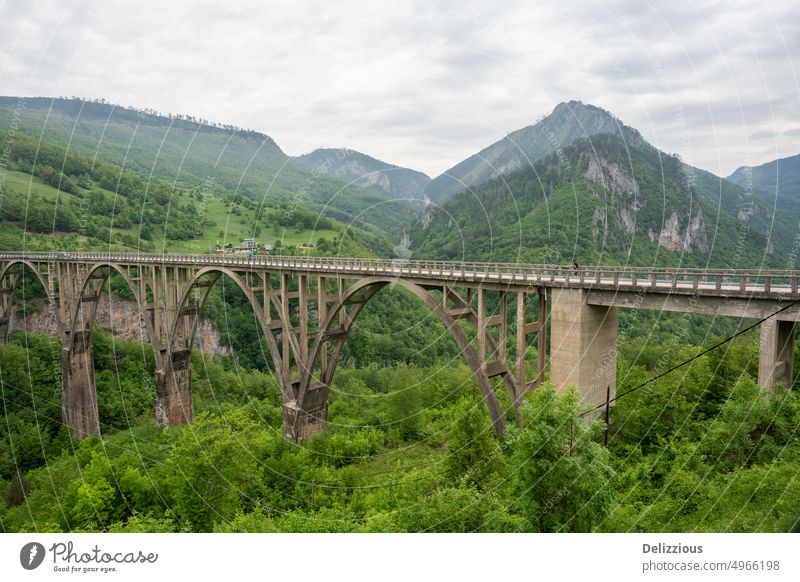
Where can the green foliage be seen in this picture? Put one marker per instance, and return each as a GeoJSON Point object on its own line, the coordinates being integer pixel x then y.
{"type": "Point", "coordinates": [32, 431]}
{"type": "Point", "coordinates": [699, 451]}
{"type": "Point", "coordinates": [561, 475]}
{"type": "Point", "coordinates": [461, 509]}
{"type": "Point", "coordinates": [293, 216]}
{"type": "Point", "coordinates": [215, 464]}
{"type": "Point", "coordinates": [471, 445]}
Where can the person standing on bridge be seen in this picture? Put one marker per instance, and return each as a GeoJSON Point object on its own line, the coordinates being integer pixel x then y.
{"type": "Point", "coordinates": [575, 266]}
{"type": "Point", "coordinates": [249, 256]}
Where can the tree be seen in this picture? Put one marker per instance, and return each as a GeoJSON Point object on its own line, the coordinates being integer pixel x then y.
{"type": "Point", "coordinates": [560, 474]}
{"type": "Point", "coordinates": [216, 466]}
{"type": "Point", "coordinates": [472, 448]}
{"type": "Point", "coordinates": [461, 509]}
{"type": "Point", "coordinates": [405, 410]}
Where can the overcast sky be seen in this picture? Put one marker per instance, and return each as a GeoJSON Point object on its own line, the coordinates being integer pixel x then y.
{"type": "Point", "coordinates": [425, 86]}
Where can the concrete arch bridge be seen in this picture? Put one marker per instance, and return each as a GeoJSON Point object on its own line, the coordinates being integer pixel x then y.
{"type": "Point", "coordinates": [306, 308]}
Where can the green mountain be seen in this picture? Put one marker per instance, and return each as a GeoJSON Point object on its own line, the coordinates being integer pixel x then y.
{"type": "Point", "coordinates": [574, 121]}
{"type": "Point", "coordinates": [52, 199]}
{"type": "Point", "coordinates": [777, 183]}
{"type": "Point", "coordinates": [520, 149]}
{"type": "Point", "coordinates": [527, 200]}
{"type": "Point", "coordinates": [599, 200]}
{"type": "Point", "coordinates": [193, 153]}
{"type": "Point", "coordinates": [750, 211]}
{"type": "Point", "coordinates": [357, 168]}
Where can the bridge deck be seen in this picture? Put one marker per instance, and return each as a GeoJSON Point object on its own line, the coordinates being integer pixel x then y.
{"type": "Point", "coordinates": [764, 284]}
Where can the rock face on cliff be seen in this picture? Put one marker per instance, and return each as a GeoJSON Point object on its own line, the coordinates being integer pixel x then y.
{"type": "Point", "coordinates": [679, 231]}
{"type": "Point", "coordinates": [613, 177]}
{"type": "Point", "coordinates": [569, 122]}
{"type": "Point", "coordinates": [122, 319]}
{"type": "Point", "coordinates": [674, 238]}
{"type": "Point", "coordinates": [598, 200]}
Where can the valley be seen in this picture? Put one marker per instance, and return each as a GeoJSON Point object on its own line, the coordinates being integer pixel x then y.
{"type": "Point", "coordinates": [410, 445]}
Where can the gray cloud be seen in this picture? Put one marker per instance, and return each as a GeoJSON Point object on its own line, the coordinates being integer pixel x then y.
{"type": "Point", "coordinates": [426, 86]}
{"type": "Point", "coordinates": [764, 134]}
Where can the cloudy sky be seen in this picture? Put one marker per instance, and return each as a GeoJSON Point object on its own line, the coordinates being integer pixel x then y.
{"type": "Point", "coordinates": [426, 85]}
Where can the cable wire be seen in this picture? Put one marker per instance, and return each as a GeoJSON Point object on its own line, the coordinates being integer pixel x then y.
{"type": "Point", "coordinates": [690, 360]}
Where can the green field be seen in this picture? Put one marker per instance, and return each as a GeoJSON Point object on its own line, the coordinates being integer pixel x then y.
{"type": "Point", "coordinates": [31, 185]}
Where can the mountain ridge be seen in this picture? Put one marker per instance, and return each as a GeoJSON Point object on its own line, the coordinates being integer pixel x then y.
{"type": "Point", "coordinates": [366, 171]}
{"type": "Point", "coordinates": [192, 153]}
{"type": "Point", "coordinates": [567, 122]}
{"type": "Point", "coordinates": [776, 182]}
{"type": "Point", "coordinates": [599, 201]}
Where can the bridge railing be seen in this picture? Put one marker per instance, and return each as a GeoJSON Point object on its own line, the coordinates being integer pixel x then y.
{"type": "Point", "coordinates": [659, 278]}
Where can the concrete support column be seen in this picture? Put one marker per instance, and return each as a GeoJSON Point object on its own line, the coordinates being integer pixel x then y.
{"type": "Point", "coordinates": [583, 345]}
{"type": "Point", "coordinates": [6, 307]}
{"type": "Point", "coordinates": [776, 354]}
{"type": "Point", "coordinates": [301, 422]}
{"type": "Point", "coordinates": [174, 392]}
{"type": "Point", "coordinates": [5, 328]}
{"type": "Point", "coordinates": [78, 394]}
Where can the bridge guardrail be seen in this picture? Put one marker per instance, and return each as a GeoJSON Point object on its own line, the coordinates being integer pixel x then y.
{"type": "Point", "coordinates": [658, 278]}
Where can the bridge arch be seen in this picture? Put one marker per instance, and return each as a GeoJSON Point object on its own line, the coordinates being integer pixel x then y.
{"type": "Point", "coordinates": [79, 391]}
{"type": "Point", "coordinates": [82, 318]}
{"type": "Point", "coordinates": [174, 397]}
{"type": "Point", "coordinates": [205, 279]}
{"type": "Point", "coordinates": [365, 290]}
{"type": "Point", "coordinates": [9, 279]}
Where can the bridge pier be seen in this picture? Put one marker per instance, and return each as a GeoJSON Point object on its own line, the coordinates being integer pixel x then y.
{"type": "Point", "coordinates": [776, 354]}
{"type": "Point", "coordinates": [302, 423]}
{"type": "Point", "coordinates": [5, 327]}
{"type": "Point", "coordinates": [174, 391]}
{"type": "Point", "coordinates": [78, 395]}
{"type": "Point", "coordinates": [583, 345]}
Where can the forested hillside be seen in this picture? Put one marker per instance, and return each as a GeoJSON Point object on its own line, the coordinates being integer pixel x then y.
{"type": "Point", "coordinates": [410, 449]}
{"type": "Point", "coordinates": [192, 153]}
{"type": "Point", "coordinates": [777, 183]}
{"type": "Point", "coordinates": [57, 199]}
{"type": "Point", "coordinates": [366, 171]}
{"type": "Point", "coordinates": [598, 201]}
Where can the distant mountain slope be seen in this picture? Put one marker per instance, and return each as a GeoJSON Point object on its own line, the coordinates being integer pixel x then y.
{"type": "Point", "coordinates": [598, 201]}
{"type": "Point", "coordinates": [748, 209]}
{"type": "Point", "coordinates": [777, 183]}
{"type": "Point", "coordinates": [51, 199]}
{"type": "Point", "coordinates": [189, 152]}
{"type": "Point", "coordinates": [355, 167]}
{"type": "Point", "coordinates": [520, 149]}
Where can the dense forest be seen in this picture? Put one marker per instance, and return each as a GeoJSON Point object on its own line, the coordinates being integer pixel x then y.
{"type": "Point", "coordinates": [53, 198]}
{"type": "Point", "coordinates": [410, 448]}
